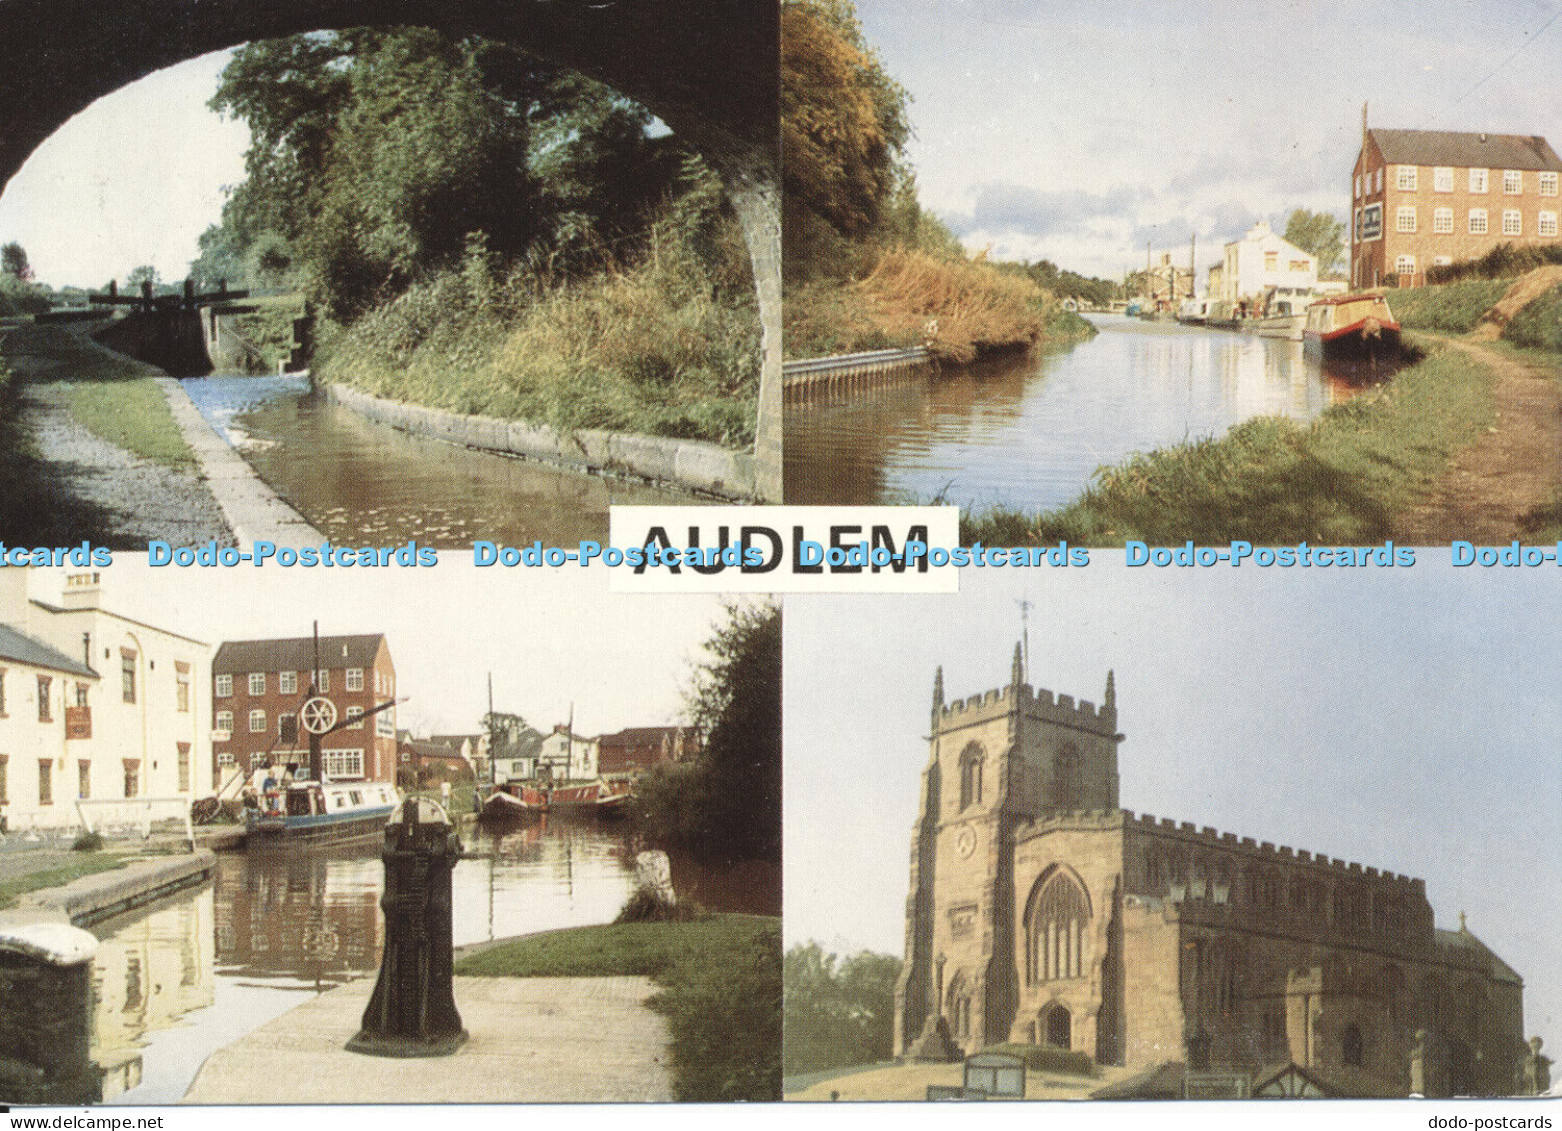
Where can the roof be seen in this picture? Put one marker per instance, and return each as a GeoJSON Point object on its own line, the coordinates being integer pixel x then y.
{"type": "Point", "coordinates": [455, 740]}
{"type": "Point", "coordinates": [637, 735]}
{"type": "Point", "coordinates": [94, 610]}
{"type": "Point", "coordinates": [426, 748]}
{"type": "Point", "coordinates": [296, 654]}
{"type": "Point", "coordinates": [1469, 151]}
{"type": "Point", "coordinates": [1464, 940]}
{"type": "Point", "coordinates": [20, 648]}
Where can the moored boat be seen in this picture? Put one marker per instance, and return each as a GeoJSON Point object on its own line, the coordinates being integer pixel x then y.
{"type": "Point", "coordinates": [1194, 311]}
{"type": "Point", "coordinates": [514, 799]}
{"type": "Point", "coordinates": [316, 811]}
{"type": "Point", "coordinates": [1351, 327]}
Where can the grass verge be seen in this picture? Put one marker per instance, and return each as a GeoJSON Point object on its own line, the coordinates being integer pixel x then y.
{"type": "Point", "coordinates": [1538, 325]}
{"type": "Point", "coordinates": [721, 991]}
{"type": "Point", "coordinates": [113, 396]}
{"type": "Point", "coordinates": [13, 889]}
{"type": "Point", "coordinates": [1451, 308]}
{"type": "Point", "coordinates": [1342, 479]}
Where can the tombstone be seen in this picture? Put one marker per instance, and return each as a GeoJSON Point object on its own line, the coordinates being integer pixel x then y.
{"type": "Point", "coordinates": [413, 1009]}
{"type": "Point", "coordinates": [46, 1016]}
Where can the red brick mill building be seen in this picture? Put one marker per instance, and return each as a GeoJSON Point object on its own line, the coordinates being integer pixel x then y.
{"type": "Point", "coordinates": [1431, 198]}
{"type": "Point", "coordinates": [258, 687]}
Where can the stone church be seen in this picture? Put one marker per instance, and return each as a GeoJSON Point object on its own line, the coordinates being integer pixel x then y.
{"type": "Point", "coordinates": [1040, 912]}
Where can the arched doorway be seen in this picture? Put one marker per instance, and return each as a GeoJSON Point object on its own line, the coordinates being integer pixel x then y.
{"type": "Point", "coordinates": [1059, 1027]}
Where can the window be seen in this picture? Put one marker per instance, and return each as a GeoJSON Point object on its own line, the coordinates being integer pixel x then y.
{"type": "Point", "coordinates": [127, 674]}
{"type": "Point", "coordinates": [971, 776]}
{"type": "Point", "coordinates": [1380, 178]}
{"type": "Point", "coordinates": [1546, 227]}
{"type": "Point", "coordinates": [1298, 265]}
{"type": "Point", "coordinates": [1512, 181]}
{"type": "Point", "coordinates": [354, 679]}
{"type": "Point", "coordinates": [225, 758]}
{"type": "Point", "coordinates": [287, 729]}
{"type": "Point", "coordinates": [1271, 261]}
{"type": "Point", "coordinates": [322, 682]}
{"type": "Point", "coordinates": [81, 694]}
{"type": "Point", "coordinates": [1512, 222]}
{"type": "Point", "coordinates": [257, 722]}
{"type": "Point", "coordinates": [1372, 222]}
{"type": "Point", "coordinates": [132, 777]}
{"type": "Point", "coordinates": [182, 691]}
{"type": "Point", "coordinates": [1057, 934]}
{"type": "Point", "coordinates": [184, 767]}
{"type": "Point", "coordinates": [223, 686]}
{"type": "Point", "coordinates": [1477, 180]}
{"type": "Point", "coordinates": [45, 711]}
{"type": "Point", "coordinates": [84, 780]}
{"type": "Point", "coordinates": [2, 693]}
{"type": "Point", "coordinates": [1405, 219]}
{"type": "Point", "coordinates": [1357, 184]}
{"type": "Point", "coordinates": [1357, 228]}
{"type": "Point", "coordinates": [287, 683]}
{"type": "Point", "coordinates": [1443, 221]}
{"type": "Point", "coordinates": [355, 718]}
{"type": "Point", "coordinates": [258, 759]}
{"type": "Point", "coordinates": [385, 723]}
{"type": "Point", "coordinates": [1406, 181]}
{"type": "Point", "coordinates": [257, 683]}
{"type": "Point", "coordinates": [1443, 261]}
{"type": "Point", "coordinates": [1442, 179]}
{"type": "Point", "coordinates": [1405, 265]}
{"type": "Point", "coordinates": [1548, 184]}
{"type": "Point", "coordinates": [1477, 221]}
{"type": "Point", "coordinates": [45, 781]}
{"type": "Point", "coordinates": [5, 783]}
{"type": "Point", "coordinates": [224, 722]}
{"type": "Point", "coordinates": [344, 763]}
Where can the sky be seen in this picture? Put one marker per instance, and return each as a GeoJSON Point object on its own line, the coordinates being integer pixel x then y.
{"type": "Point", "coordinates": [1075, 131]}
{"type": "Point", "coordinates": [133, 179]}
{"type": "Point", "coordinates": [555, 640]}
{"type": "Point", "coordinates": [1404, 719]}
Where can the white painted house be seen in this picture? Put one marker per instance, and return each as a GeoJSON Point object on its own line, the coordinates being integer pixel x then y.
{"type": "Point", "coordinates": [95, 705]}
{"type": "Point", "coordinates": [1262, 260]}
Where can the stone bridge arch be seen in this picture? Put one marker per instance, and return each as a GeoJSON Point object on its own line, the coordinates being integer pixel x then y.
{"type": "Point", "coordinates": [708, 68]}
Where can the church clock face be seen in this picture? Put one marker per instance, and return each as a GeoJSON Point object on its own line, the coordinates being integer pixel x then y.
{"type": "Point", "coordinates": [965, 842]}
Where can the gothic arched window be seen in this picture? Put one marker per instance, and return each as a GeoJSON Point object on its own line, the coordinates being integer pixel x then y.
{"type": "Point", "coordinates": [1070, 785]}
{"type": "Point", "coordinates": [1058, 929]}
{"type": "Point", "coordinates": [971, 776]}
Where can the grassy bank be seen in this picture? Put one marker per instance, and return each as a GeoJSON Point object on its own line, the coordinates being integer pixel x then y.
{"type": "Point", "coordinates": [668, 346]}
{"type": "Point", "coordinates": [86, 864]}
{"type": "Point", "coordinates": [113, 396]}
{"type": "Point", "coordinates": [721, 991]}
{"type": "Point", "coordinates": [1343, 478]}
{"type": "Point", "coordinates": [1539, 325]}
{"type": "Point", "coordinates": [1451, 308]}
{"type": "Point", "coordinates": [958, 306]}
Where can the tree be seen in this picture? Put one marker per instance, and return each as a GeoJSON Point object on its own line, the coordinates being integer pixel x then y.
{"type": "Point", "coordinates": [146, 273]}
{"type": "Point", "coordinates": [725, 805]}
{"type": "Point", "coordinates": [1320, 234]}
{"type": "Point", "coordinates": [838, 1011]}
{"type": "Point", "coordinates": [13, 262]}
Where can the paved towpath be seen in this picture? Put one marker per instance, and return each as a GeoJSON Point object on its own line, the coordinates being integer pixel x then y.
{"type": "Point", "coordinates": [533, 1040]}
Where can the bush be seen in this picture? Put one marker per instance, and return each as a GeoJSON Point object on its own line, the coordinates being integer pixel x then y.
{"type": "Point", "coordinates": [1538, 325]}
{"type": "Point", "coordinates": [87, 842]}
{"type": "Point", "coordinates": [1503, 261]}
{"type": "Point", "coordinates": [1046, 1058]}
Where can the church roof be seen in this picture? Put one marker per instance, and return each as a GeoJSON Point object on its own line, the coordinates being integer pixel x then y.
{"type": "Point", "coordinates": [1462, 939]}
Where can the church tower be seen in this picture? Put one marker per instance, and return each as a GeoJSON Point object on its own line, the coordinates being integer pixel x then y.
{"type": "Point", "coordinates": [995, 761]}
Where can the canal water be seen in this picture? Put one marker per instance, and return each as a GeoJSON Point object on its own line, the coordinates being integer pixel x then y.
{"type": "Point", "coordinates": [361, 482]}
{"type": "Point", "coordinates": [174, 984]}
{"type": "Point", "coordinates": [1030, 432]}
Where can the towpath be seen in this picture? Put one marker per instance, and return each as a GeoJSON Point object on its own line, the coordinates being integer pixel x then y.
{"type": "Point", "coordinates": [1508, 483]}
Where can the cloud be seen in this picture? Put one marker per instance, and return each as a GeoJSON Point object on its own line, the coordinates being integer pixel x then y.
{"type": "Point", "coordinates": [1010, 209]}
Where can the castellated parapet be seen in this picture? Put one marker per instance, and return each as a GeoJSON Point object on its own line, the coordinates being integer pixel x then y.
{"type": "Point", "coordinates": [1040, 705]}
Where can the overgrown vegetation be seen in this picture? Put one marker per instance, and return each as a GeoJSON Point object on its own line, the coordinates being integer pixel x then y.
{"type": "Point", "coordinates": [1047, 1058]}
{"type": "Point", "coordinates": [484, 232]}
{"type": "Point", "coordinates": [725, 804]}
{"type": "Point", "coordinates": [865, 266]}
{"type": "Point", "coordinates": [664, 343]}
{"type": "Point", "coordinates": [1505, 261]}
{"type": "Point", "coordinates": [1451, 308]}
{"type": "Point", "coordinates": [1344, 478]}
{"type": "Point", "coordinates": [721, 991]}
{"type": "Point", "coordinates": [1538, 325]}
{"type": "Point", "coordinates": [840, 1011]}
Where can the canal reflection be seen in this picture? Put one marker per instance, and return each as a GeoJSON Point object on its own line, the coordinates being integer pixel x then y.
{"type": "Point", "coordinates": [1030, 432]}
{"type": "Point", "coordinates": [357, 480]}
{"type": "Point", "coordinates": [199, 971]}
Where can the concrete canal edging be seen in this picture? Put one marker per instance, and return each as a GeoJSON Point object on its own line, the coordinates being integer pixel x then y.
{"type": "Point", "coordinates": [692, 464]}
{"type": "Point", "coordinates": [102, 895]}
{"type": "Point", "coordinates": [254, 511]}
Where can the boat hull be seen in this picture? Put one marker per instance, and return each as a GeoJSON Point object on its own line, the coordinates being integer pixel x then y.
{"type": "Point", "coordinates": [317, 829]}
{"type": "Point", "coordinates": [1354, 343]}
{"type": "Point", "coordinates": [1285, 326]}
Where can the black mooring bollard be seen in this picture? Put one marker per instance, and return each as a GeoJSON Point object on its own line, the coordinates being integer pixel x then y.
{"type": "Point", "coordinates": [413, 1009]}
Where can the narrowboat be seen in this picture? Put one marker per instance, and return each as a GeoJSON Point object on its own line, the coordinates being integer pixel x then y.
{"type": "Point", "coordinates": [594, 797]}
{"type": "Point", "coordinates": [319, 811]}
{"type": "Point", "coordinates": [1350, 327]}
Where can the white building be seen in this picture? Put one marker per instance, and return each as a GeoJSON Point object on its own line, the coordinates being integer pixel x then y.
{"type": "Point", "coordinates": [93, 704]}
{"type": "Point", "coordinates": [568, 755]}
{"type": "Point", "coordinates": [1262, 263]}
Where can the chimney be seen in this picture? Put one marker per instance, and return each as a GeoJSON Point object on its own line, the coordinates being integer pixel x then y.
{"type": "Point", "coordinates": [82, 591]}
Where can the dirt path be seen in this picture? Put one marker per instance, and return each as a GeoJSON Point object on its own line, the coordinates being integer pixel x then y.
{"type": "Point", "coordinates": [1501, 487]}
